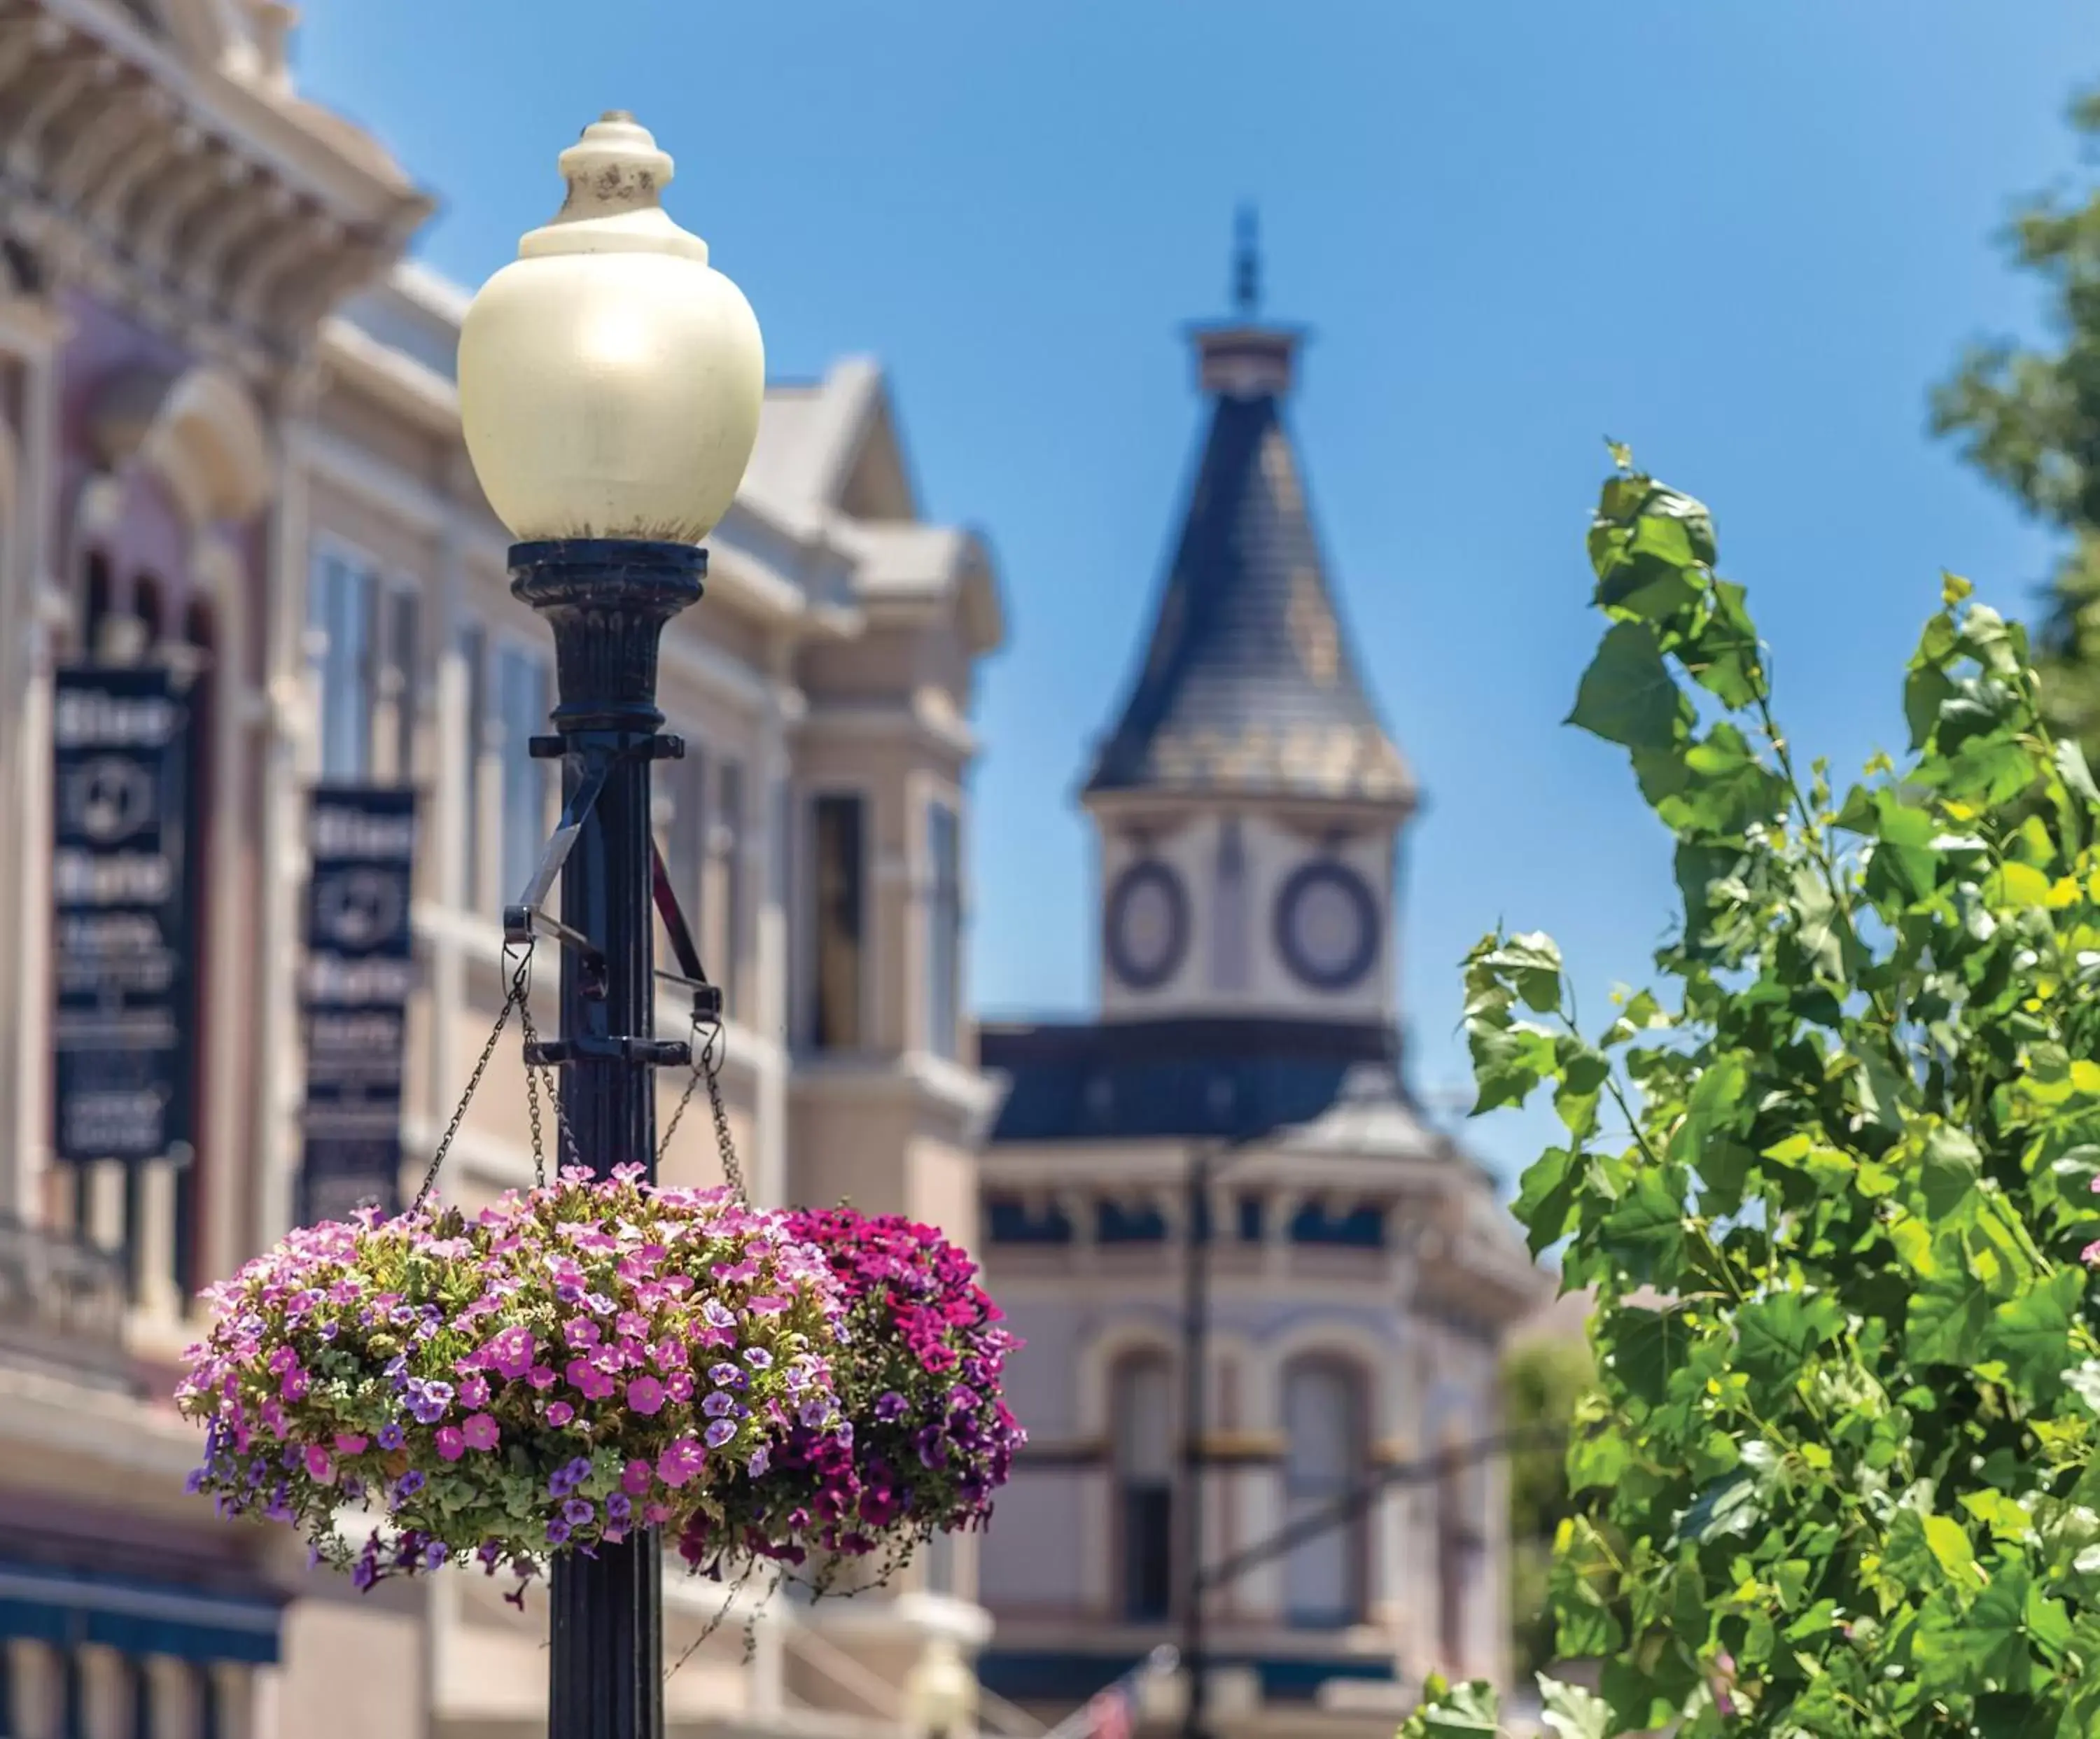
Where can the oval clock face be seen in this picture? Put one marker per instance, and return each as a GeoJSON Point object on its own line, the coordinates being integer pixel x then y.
{"type": "Point", "coordinates": [1148, 924]}
{"type": "Point", "coordinates": [1327, 926]}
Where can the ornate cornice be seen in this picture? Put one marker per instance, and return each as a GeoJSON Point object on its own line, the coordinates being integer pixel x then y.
{"type": "Point", "coordinates": [126, 176]}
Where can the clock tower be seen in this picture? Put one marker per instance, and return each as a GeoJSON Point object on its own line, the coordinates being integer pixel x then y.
{"type": "Point", "coordinates": [1255, 1284]}
{"type": "Point", "coordinates": [1248, 801]}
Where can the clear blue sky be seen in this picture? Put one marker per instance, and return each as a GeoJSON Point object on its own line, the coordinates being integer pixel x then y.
{"type": "Point", "coordinates": [1745, 239]}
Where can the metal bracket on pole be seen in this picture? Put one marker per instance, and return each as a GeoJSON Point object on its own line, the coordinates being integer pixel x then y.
{"type": "Point", "coordinates": [529, 915]}
{"type": "Point", "coordinates": [707, 997]}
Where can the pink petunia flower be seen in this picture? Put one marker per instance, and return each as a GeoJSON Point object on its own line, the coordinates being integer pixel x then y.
{"type": "Point", "coordinates": [319, 1466]}
{"type": "Point", "coordinates": [645, 1395]}
{"type": "Point", "coordinates": [350, 1443]}
{"type": "Point", "coordinates": [681, 1462]}
{"type": "Point", "coordinates": [635, 1477]}
{"type": "Point", "coordinates": [559, 1413]}
{"type": "Point", "coordinates": [451, 1442]}
{"type": "Point", "coordinates": [481, 1432]}
{"type": "Point", "coordinates": [510, 1351]}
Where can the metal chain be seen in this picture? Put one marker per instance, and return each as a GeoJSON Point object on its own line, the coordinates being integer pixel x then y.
{"type": "Point", "coordinates": [707, 1055]}
{"type": "Point", "coordinates": [563, 1134]}
{"type": "Point", "coordinates": [514, 998]}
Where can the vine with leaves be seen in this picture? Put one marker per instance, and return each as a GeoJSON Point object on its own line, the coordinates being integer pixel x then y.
{"type": "Point", "coordinates": [1830, 1182]}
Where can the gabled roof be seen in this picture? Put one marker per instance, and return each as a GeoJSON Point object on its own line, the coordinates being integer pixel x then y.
{"type": "Point", "coordinates": [1250, 685]}
{"type": "Point", "coordinates": [829, 460]}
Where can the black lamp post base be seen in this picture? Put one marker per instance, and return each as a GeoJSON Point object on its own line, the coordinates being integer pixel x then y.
{"type": "Point", "coordinates": [606, 1639]}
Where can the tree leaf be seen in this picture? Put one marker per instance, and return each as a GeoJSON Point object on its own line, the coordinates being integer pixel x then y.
{"type": "Point", "coordinates": [1627, 696]}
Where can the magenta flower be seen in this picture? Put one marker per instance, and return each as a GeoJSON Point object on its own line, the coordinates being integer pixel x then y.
{"type": "Point", "coordinates": [587, 1381]}
{"type": "Point", "coordinates": [318, 1466]}
{"type": "Point", "coordinates": [541, 1377]}
{"type": "Point", "coordinates": [645, 1395]}
{"type": "Point", "coordinates": [510, 1352]}
{"type": "Point", "coordinates": [681, 1461]}
{"type": "Point", "coordinates": [634, 1478]}
{"type": "Point", "coordinates": [481, 1433]}
{"type": "Point", "coordinates": [451, 1442]}
{"type": "Point", "coordinates": [350, 1443]}
{"type": "Point", "coordinates": [473, 1392]}
{"type": "Point", "coordinates": [559, 1413]}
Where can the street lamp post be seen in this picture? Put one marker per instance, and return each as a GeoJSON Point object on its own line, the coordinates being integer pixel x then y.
{"type": "Point", "coordinates": [609, 388]}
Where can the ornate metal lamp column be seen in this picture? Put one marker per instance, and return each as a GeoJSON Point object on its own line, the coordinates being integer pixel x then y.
{"type": "Point", "coordinates": [610, 388]}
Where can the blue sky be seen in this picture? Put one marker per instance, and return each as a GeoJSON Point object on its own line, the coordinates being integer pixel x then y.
{"type": "Point", "coordinates": [1744, 239]}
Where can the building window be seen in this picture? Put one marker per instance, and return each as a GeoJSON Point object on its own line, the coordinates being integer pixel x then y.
{"type": "Point", "coordinates": [726, 846]}
{"type": "Point", "coordinates": [396, 686]}
{"type": "Point", "coordinates": [340, 608]}
{"type": "Point", "coordinates": [1116, 1223]}
{"type": "Point", "coordinates": [1253, 1216]}
{"type": "Point", "coordinates": [839, 957]}
{"type": "Point", "coordinates": [471, 645]}
{"type": "Point", "coordinates": [944, 951]}
{"type": "Point", "coordinates": [1010, 1219]}
{"type": "Point", "coordinates": [1362, 1228]}
{"type": "Point", "coordinates": [678, 802]}
{"type": "Point", "coordinates": [362, 649]}
{"type": "Point", "coordinates": [1144, 1421]}
{"type": "Point", "coordinates": [1323, 1425]}
{"type": "Point", "coordinates": [522, 707]}
{"type": "Point", "coordinates": [1460, 1553]}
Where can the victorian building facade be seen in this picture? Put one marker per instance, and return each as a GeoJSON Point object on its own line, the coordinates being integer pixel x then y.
{"type": "Point", "coordinates": [229, 450]}
{"type": "Point", "coordinates": [1248, 807]}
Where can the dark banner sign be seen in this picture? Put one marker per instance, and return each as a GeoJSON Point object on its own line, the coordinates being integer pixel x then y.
{"type": "Point", "coordinates": [360, 971]}
{"type": "Point", "coordinates": [120, 949]}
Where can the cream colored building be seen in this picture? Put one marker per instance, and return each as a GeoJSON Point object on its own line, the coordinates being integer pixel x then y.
{"type": "Point", "coordinates": [229, 442]}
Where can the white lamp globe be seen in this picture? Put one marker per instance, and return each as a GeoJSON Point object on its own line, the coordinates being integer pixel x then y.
{"type": "Point", "coordinates": [609, 379]}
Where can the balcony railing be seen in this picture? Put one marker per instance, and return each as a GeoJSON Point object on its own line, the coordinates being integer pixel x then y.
{"type": "Point", "coordinates": [62, 1304]}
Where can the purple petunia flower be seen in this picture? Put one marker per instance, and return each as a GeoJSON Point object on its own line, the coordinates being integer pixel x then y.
{"type": "Point", "coordinates": [391, 1436]}
{"type": "Point", "coordinates": [619, 1507]}
{"type": "Point", "coordinates": [410, 1483]}
{"type": "Point", "coordinates": [892, 1406]}
{"type": "Point", "coordinates": [720, 1405]}
{"type": "Point", "coordinates": [719, 1432]}
{"type": "Point", "coordinates": [761, 1459]}
{"type": "Point", "coordinates": [558, 1532]}
{"type": "Point", "coordinates": [579, 1513]}
{"type": "Point", "coordinates": [758, 1358]}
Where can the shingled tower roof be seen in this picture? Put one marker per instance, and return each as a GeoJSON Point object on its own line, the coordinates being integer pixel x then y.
{"type": "Point", "coordinates": [1250, 686]}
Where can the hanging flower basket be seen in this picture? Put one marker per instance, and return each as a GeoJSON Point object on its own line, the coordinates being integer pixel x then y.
{"type": "Point", "coordinates": [570, 1364]}
{"type": "Point", "coordinates": [930, 1437]}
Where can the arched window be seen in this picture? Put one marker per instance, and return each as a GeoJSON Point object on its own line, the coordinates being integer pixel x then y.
{"type": "Point", "coordinates": [94, 605]}
{"type": "Point", "coordinates": [149, 603]}
{"type": "Point", "coordinates": [1461, 1552]}
{"type": "Point", "coordinates": [1141, 1417]}
{"type": "Point", "coordinates": [1323, 1424]}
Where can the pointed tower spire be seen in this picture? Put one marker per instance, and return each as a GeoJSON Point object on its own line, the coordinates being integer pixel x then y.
{"type": "Point", "coordinates": [1250, 687]}
{"type": "Point", "coordinates": [1246, 264]}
